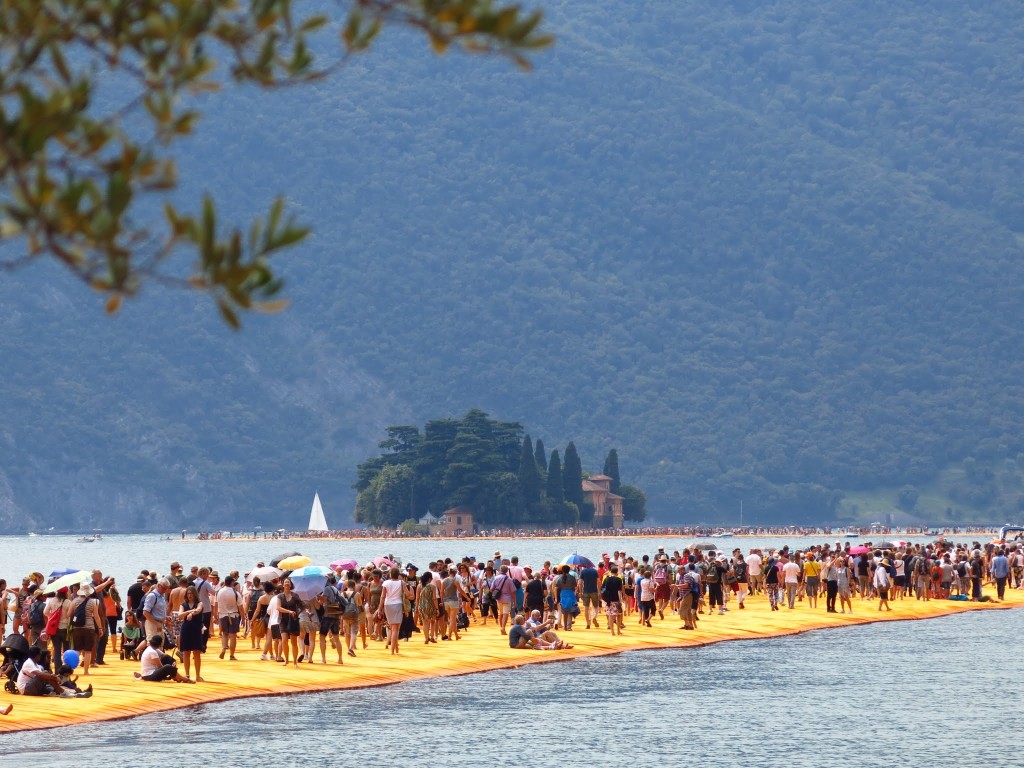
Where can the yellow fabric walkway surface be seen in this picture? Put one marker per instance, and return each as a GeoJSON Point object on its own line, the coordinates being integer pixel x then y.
{"type": "Point", "coordinates": [119, 695]}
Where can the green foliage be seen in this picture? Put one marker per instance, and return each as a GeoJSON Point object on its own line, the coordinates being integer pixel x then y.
{"type": "Point", "coordinates": [387, 498]}
{"type": "Point", "coordinates": [634, 503]}
{"type": "Point", "coordinates": [530, 483]}
{"type": "Point", "coordinates": [553, 489]}
{"type": "Point", "coordinates": [74, 167]}
{"type": "Point", "coordinates": [572, 477]}
{"type": "Point", "coordinates": [907, 498]}
{"type": "Point", "coordinates": [411, 527]}
{"type": "Point", "coordinates": [542, 459]}
{"type": "Point", "coordinates": [611, 468]}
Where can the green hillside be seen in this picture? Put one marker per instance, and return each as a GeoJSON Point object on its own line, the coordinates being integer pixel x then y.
{"type": "Point", "coordinates": [771, 252]}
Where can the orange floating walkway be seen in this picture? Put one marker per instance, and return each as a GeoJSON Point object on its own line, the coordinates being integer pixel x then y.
{"type": "Point", "coordinates": [118, 695]}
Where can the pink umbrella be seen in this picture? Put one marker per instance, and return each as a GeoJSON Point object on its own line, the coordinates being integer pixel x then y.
{"type": "Point", "coordinates": [860, 549]}
{"type": "Point", "coordinates": [382, 562]}
{"type": "Point", "coordinates": [344, 565]}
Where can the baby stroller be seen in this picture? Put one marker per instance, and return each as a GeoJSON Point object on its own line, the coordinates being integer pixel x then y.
{"type": "Point", "coordinates": [14, 651]}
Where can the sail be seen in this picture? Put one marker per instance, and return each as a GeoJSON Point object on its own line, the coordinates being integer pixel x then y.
{"type": "Point", "coordinates": [317, 521]}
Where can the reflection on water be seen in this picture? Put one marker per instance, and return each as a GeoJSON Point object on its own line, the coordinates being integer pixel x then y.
{"type": "Point", "coordinates": [873, 695]}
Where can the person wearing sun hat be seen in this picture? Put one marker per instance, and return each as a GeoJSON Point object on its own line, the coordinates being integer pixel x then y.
{"type": "Point", "coordinates": [86, 623]}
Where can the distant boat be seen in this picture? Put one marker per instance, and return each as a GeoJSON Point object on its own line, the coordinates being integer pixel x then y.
{"type": "Point", "coordinates": [32, 533]}
{"type": "Point", "coordinates": [317, 521]}
{"type": "Point", "coordinates": [87, 539]}
{"type": "Point", "coordinates": [847, 534]}
{"type": "Point", "coordinates": [723, 534]}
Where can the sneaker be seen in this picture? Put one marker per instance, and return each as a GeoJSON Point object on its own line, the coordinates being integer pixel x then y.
{"type": "Point", "coordinates": [264, 657]}
{"type": "Point", "coordinates": [222, 653]}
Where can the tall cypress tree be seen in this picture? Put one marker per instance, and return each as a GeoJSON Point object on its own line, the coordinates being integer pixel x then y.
{"type": "Point", "coordinates": [555, 491]}
{"type": "Point", "coordinates": [572, 476]}
{"type": "Point", "coordinates": [529, 478]}
{"type": "Point", "coordinates": [611, 468]}
{"type": "Point", "coordinates": [542, 456]}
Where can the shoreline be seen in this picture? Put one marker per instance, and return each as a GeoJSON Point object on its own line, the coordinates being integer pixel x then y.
{"type": "Point", "coordinates": [824, 537]}
{"type": "Point", "coordinates": [119, 696]}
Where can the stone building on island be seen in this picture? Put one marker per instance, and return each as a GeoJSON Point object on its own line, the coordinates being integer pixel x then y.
{"type": "Point", "coordinates": [597, 490]}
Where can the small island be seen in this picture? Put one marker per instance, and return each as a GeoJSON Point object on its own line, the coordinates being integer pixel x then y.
{"type": "Point", "coordinates": [460, 476]}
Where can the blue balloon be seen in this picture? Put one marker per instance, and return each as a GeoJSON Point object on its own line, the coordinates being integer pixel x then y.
{"type": "Point", "coordinates": [71, 658]}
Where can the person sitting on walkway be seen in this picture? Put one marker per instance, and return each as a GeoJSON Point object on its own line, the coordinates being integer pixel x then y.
{"type": "Point", "coordinates": [158, 666]}
{"type": "Point", "coordinates": [34, 680]}
{"type": "Point", "coordinates": [541, 639]}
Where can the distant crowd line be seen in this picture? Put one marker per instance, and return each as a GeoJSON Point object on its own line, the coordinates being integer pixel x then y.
{"type": "Point", "coordinates": [683, 531]}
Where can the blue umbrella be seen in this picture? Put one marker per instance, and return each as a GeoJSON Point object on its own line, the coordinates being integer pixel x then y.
{"type": "Point", "coordinates": [312, 570]}
{"type": "Point", "coordinates": [308, 585]}
{"type": "Point", "coordinates": [576, 559]}
{"type": "Point", "coordinates": [63, 572]}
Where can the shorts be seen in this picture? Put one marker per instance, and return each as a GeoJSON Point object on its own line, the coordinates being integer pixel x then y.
{"type": "Point", "coordinates": [393, 613]}
{"type": "Point", "coordinates": [330, 625]}
{"type": "Point", "coordinates": [591, 600]}
{"type": "Point", "coordinates": [229, 624]}
{"type": "Point", "coordinates": [813, 584]}
{"type": "Point", "coordinates": [901, 581]}
{"type": "Point", "coordinates": [505, 607]}
{"type": "Point", "coordinates": [452, 605]}
{"type": "Point", "coordinates": [307, 627]}
{"type": "Point", "coordinates": [612, 610]}
{"type": "Point", "coordinates": [83, 639]}
{"type": "Point", "coordinates": [662, 592]}
{"type": "Point", "coordinates": [275, 631]}
{"type": "Point", "coordinates": [883, 593]}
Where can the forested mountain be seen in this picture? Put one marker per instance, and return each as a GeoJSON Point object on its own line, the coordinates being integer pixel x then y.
{"type": "Point", "coordinates": [771, 252]}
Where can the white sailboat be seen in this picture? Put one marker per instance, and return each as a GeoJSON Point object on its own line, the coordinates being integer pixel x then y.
{"type": "Point", "coordinates": [317, 521]}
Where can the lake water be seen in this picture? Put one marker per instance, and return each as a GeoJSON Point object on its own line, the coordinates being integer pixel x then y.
{"type": "Point", "coordinates": [940, 690]}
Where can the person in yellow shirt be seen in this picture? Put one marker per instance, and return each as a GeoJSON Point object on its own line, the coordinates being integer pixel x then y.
{"type": "Point", "coordinates": [812, 579]}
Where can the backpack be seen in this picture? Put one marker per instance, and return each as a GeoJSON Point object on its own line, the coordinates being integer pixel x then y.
{"type": "Point", "coordinates": [350, 607]}
{"type": "Point", "coordinates": [462, 620]}
{"type": "Point", "coordinates": [711, 574]}
{"type": "Point", "coordinates": [660, 574]}
{"type": "Point", "coordinates": [692, 581]}
{"type": "Point", "coordinates": [333, 605]}
{"type": "Point", "coordinates": [740, 569]}
{"type": "Point", "coordinates": [921, 569]}
{"type": "Point", "coordinates": [35, 613]}
{"type": "Point", "coordinates": [78, 618]}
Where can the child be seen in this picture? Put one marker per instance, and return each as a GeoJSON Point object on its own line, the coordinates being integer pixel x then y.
{"type": "Point", "coordinates": [64, 673]}
{"type": "Point", "coordinates": [131, 636]}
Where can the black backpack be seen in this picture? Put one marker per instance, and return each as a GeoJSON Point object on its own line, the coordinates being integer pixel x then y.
{"type": "Point", "coordinates": [80, 615]}
{"type": "Point", "coordinates": [35, 612]}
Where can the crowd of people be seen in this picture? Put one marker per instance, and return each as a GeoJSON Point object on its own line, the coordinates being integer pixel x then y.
{"type": "Point", "coordinates": [166, 622]}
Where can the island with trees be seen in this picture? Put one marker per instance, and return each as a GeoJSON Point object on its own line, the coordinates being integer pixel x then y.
{"type": "Point", "coordinates": [491, 469]}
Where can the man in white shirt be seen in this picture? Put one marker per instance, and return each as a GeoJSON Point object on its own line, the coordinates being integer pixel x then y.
{"type": "Point", "coordinates": [754, 565]}
{"type": "Point", "coordinates": [34, 680]}
{"type": "Point", "coordinates": [791, 579]}
{"type": "Point", "coordinates": [230, 615]}
{"type": "Point", "coordinates": [158, 666]}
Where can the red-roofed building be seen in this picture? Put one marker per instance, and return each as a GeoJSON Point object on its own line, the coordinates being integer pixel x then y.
{"type": "Point", "coordinates": [455, 522]}
{"type": "Point", "coordinates": [607, 505]}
